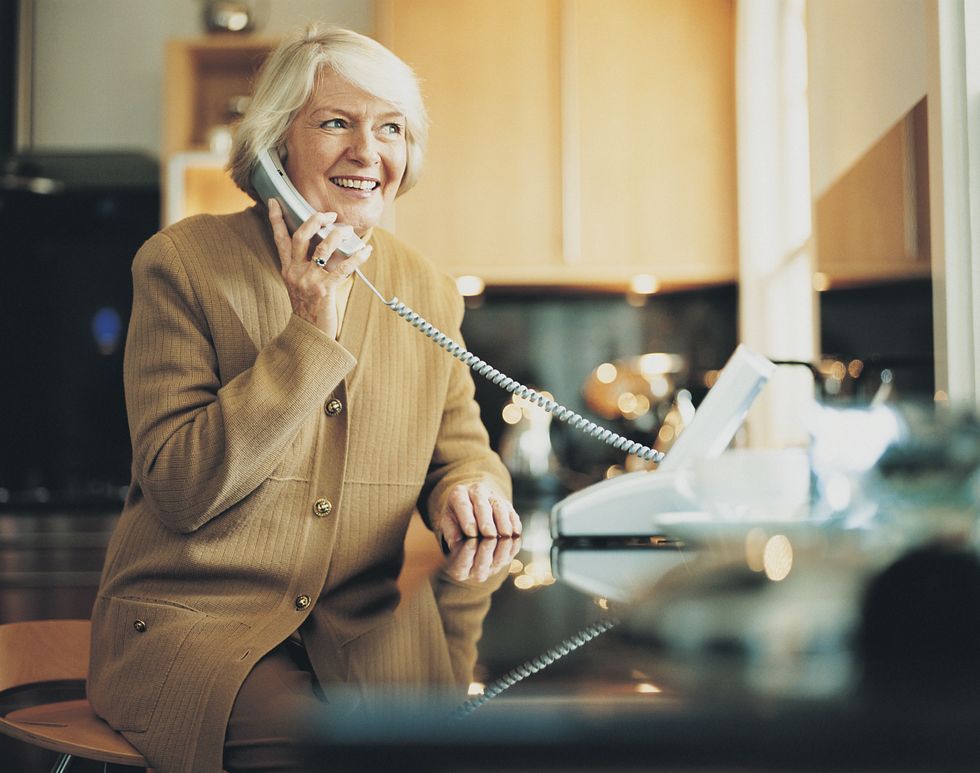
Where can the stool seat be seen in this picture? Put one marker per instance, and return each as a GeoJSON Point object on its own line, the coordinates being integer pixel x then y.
{"type": "Point", "coordinates": [71, 727]}
{"type": "Point", "coordinates": [40, 652]}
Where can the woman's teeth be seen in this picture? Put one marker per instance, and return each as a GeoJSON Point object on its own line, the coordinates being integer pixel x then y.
{"type": "Point", "coordinates": [361, 185]}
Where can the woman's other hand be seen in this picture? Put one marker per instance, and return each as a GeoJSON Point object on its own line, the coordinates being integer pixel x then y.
{"type": "Point", "coordinates": [481, 559]}
{"type": "Point", "coordinates": [313, 289]}
{"type": "Point", "coordinates": [476, 510]}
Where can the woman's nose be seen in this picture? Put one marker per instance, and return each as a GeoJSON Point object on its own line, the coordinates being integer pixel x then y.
{"type": "Point", "coordinates": [364, 148]}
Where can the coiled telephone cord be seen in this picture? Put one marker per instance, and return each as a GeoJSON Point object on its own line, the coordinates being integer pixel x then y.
{"type": "Point", "coordinates": [504, 381]}
{"type": "Point", "coordinates": [533, 666]}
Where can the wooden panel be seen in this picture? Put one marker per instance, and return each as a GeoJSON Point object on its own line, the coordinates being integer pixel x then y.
{"type": "Point", "coordinates": [872, 224]}
{"type": "Point", "coordinates": [489, 200]}
{"type": "Point", "coordinates": [657, 124]}
{"type": "Point", "coordinates": [573, 142]}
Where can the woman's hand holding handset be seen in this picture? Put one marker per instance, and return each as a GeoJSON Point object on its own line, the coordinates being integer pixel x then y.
{"type": "Point", "coordinates": [313, 287]}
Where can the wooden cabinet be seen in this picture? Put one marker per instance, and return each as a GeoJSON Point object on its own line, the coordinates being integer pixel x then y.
{"type": "Point", "coordinates": [656, 110]}
{"type": "Point", "coordinates": [206, 81]}
{"type": "Point", "coordinates": [489, 200]}
{"type": "Point", "coordinates": [873, 223]}
{"type": "Point", "coordinates": [573, 142]}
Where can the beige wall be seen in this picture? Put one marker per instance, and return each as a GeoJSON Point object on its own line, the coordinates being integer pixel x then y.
{"type": "Point", "coordinates": [867, 68]}
{"type": "Point", "coordinates": [98, 64]}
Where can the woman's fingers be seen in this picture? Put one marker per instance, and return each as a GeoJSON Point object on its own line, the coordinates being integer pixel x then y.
{"type": "Point", "coordinates": [502, 516]}
{"type": "Point", "coordinates": [451, 533]}
{"type": "Point", "coordinates": [293, 250]}
{"type": "Point", "coordinates": [504, 553]}
{"type": "Point", "coordinates": [461, 510]}
{"type": "Point", "coordinates": [478, 510]}
{"type": "Point", "coordinates": [492, 512]}
{"type": "Point", "coordinates": [310, 228]}
{"type": "Point", "coordinates": [483, 560]}
{"type": "Point", "coordinates": [460, 564]}
{"type": "Point", "coordinates": [515, 521]}
{"type": "Point", "coordinates": [483, 510]}
{"type": "Point", "coordinates": [327, 255]}
{"type": "Point", "coordinates": [480, 559]}
{"type": "Point", "coordinates": [326, 249]}
{"type": "Point", "coordinates": [295, 253]}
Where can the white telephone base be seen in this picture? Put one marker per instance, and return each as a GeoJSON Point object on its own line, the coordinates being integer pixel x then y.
{"type": "Point", "coordinates": [636, 504]}
{"type": "Point", "coordinates": [619, 574]}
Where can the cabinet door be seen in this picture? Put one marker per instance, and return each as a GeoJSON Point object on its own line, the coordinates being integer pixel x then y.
{"type": "Point", "coordinates": [656, 115]}
{"type": "Point", "coordinates": [873, 223]}
{"type": "Point", "coordinates": [573, 142]}
{"type": "Point", "coordinates": [489, 200]}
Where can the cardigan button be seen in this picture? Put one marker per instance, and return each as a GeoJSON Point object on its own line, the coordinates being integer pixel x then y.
{"type": "Point", "coordinates": [333, 407]}
{"type": "Point", "coordinates": [139, 625]}
{"type": "Point", "coordinates": [322, 507]}
{"type": "Point", "coordinates": [302, 602]}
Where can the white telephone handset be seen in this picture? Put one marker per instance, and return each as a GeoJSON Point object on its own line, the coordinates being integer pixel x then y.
{"type": "Point", "coordinates": [706, 437]}
{"type": "Point", "coordinates": [271, 182]}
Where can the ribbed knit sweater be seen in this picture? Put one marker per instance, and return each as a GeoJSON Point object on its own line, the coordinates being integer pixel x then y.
{"type": "Point", "coordinates": [221, 542]}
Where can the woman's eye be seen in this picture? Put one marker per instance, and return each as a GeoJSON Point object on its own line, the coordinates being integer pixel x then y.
{"type": "Point", "coordinates": [392, 128]}
{"type": "Point", "coordinates": [333, 123]}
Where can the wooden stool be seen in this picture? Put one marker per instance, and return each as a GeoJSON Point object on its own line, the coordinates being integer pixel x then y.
{"type": "Point", "coordinates": [40, 651]}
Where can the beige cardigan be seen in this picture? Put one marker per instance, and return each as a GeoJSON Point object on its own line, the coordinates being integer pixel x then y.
{"type": "Point", "coordinates": [222, 536]}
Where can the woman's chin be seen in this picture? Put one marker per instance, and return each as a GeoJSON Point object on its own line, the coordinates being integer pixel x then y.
{"type": "Point", "coordinates": [361, 214]}
{"type": "Point", "coordinates": [361, 222]}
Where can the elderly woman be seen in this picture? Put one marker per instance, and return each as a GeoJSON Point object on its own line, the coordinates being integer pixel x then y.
{"type": "Point", "coordinates": [285, 428]}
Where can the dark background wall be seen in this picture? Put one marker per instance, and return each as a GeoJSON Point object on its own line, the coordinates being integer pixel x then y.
{"type": "Point", "coordinates": [69, 226]}
{"type": "Point", "coordinates": [889, 327]}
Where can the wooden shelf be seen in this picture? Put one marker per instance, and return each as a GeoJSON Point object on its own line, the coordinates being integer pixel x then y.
{"type": "Point", "coordinates": [204, 76]}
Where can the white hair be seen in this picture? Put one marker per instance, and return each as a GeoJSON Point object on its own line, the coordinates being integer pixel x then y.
{"type": "Point", "coordinates": [287, 81]}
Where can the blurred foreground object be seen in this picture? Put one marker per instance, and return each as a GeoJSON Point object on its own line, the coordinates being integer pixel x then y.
{"type": "Point", "coordinates": [910, 469]}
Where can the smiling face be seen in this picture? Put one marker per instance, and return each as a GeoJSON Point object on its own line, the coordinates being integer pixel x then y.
{"type": "Point", "coordinates": [346, 152]}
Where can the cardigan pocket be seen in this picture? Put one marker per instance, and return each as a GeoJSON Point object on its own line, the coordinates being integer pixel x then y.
{"type": "Point", "coordinates": [135, 644]}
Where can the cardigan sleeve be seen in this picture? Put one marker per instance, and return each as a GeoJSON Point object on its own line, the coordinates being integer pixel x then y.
{"type": "Point", "coordinates": [200, 446]}
{"type": "Point", "coordinates": [463, 606]}
{"type": "Point", "coordinates": [462, 451]}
